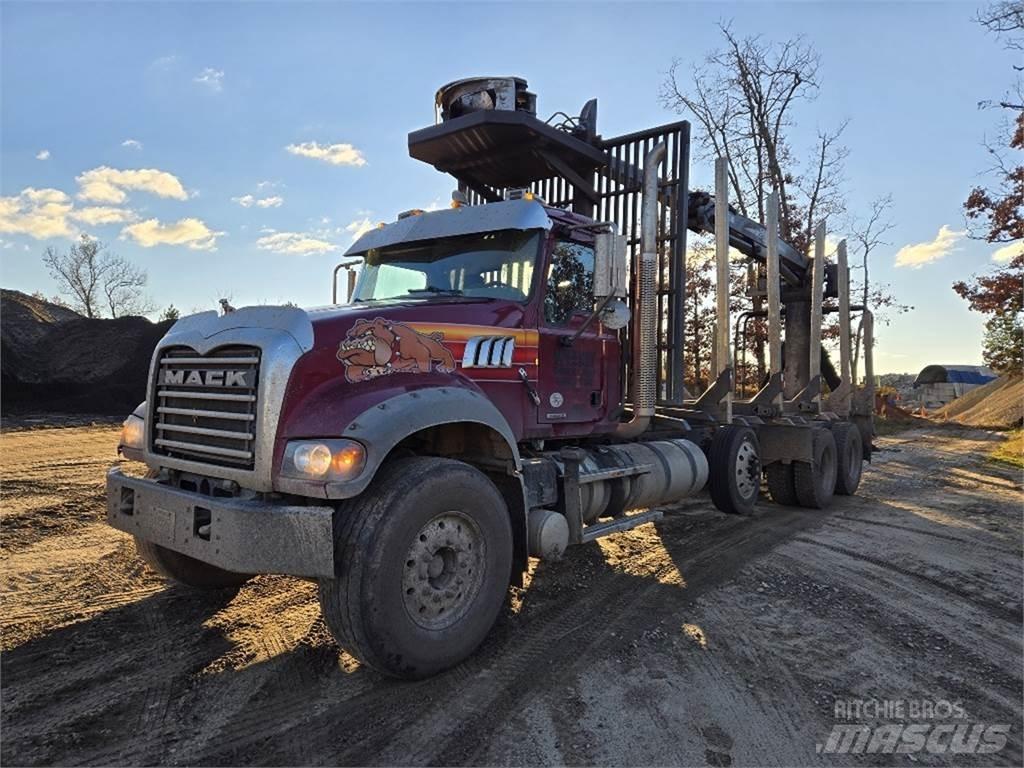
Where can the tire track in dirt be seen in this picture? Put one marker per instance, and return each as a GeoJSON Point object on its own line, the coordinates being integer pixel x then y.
{"type": "Point", "coordinates": [922, 532]}
{"type": "Point", "coordinates": [135, 672]}
{"type": "Point", "coordinates": [1001, 611]}
{"type": "Point", "coordinates": [725, 552]}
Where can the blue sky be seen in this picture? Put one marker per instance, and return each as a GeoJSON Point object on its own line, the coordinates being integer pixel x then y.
{"type": "Point", "coordinates": [164, 129]}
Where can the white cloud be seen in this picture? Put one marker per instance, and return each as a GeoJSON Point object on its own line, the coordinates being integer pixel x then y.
{"type": "Point", "coordinates": [43, 154]}
{"type": "Point", "coordinates": [101, 214]}
{"type": "Point", "coordinates": [1008, 253]}
{"type": "Point", "coordinates": [164, 63]}
{"type": "Point", "coordinates": [108, 185]}
{"type": "Point", "coordinates": [190, 232]}
{"type": "Point", "coordinates": [132, 144]}
{"type": "Point", "coordinates": [38, 213]}
{"type": "Point", "coordinates": [335, 154]}
{"type": "Point", "coordinates": [919, 254]}
{"type": "Point", "coordinates": [294, 243]}
{"type": "Point", "coordinates": [211, 78]}
{"type": "Point", "coordinates": [248, 201]}
{"type": "Point", "coordinates": [359, 227]}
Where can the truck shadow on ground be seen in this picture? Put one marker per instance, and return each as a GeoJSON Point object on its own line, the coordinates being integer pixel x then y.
{"type": "Point", "coordinates": [168, 679]}
{"type": "Point", "coordinates": [181, 677]}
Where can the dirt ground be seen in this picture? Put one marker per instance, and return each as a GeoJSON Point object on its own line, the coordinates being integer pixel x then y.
{"type": "Point", "coordinates": [702, 640]}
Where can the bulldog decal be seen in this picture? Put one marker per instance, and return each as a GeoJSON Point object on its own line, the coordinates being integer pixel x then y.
{"type": "Point", "coordinates": [381, 347]}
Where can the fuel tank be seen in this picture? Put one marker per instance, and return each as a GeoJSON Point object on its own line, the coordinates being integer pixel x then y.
{"type": "Point", "coordinates": [675, 469]}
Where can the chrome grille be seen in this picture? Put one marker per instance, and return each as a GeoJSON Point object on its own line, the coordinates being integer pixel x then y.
{"type": "Point", "coordinates": [205, 405]}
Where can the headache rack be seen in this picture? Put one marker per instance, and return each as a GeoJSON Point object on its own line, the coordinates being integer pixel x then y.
{"type": "Point", "coordinates": [601, 180]}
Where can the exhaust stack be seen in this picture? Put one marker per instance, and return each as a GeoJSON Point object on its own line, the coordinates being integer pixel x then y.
{"type": "Point", "coordinates": [645, 336]}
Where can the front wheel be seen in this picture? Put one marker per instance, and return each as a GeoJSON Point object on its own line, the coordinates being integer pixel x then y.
{"type": "Point", "coordinates": [187, 570]}
{"type": "Point", "coordinates": [422, 566]}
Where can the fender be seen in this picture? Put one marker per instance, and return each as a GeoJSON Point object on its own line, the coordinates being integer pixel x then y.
{"type": "Point", "coordinates": [381, 427]}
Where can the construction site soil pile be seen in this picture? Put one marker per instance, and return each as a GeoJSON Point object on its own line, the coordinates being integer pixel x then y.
{"type": "Point", "coordinates": [57, 360]}
{"type": "Point", "coordinates": [996, 405]}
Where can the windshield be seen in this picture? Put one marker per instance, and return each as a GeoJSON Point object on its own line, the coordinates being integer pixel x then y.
{"type": "Point", "coordinates": [492, 265]}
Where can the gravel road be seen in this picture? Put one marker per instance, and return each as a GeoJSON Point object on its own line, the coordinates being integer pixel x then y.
{"type": "Point", "coordinates": [703, 639]}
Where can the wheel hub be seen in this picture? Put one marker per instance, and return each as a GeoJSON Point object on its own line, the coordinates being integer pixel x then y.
{"type": "Point", "coordinates": [443, 570]}
{"type": "Point", "coordinates": [748, 470]}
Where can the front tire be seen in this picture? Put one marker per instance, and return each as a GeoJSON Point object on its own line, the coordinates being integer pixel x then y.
{"type": "Point", "coordinates": [423, 560]}
{"type": "Point", "coordinates": [187, 570]}
{"type": "Point", "coordinates": [734, 467]}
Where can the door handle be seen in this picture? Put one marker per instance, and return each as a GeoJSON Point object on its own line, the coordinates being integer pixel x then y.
{"type": "Point", "coordinates": [529, 387]}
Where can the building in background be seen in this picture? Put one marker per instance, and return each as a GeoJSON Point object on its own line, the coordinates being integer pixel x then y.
{"type": "Point", "coordinates": [937, 385]}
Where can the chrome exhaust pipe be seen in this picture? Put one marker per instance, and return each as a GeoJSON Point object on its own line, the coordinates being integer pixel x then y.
{"type": "Point", "coordinates": [645, 331]}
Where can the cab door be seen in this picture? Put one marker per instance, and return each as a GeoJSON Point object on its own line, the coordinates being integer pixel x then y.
{"type": "Point", "coordinates": [571, 379]}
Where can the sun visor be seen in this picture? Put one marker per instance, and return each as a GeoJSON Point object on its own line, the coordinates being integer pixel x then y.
{"type": "Point", "coordinates": [466, 220]}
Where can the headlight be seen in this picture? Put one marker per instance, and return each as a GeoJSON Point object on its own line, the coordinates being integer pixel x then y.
{"type": "Point", "coordinates": [323, 459]}
{"type": "Point", "coordinates": [133, 437]}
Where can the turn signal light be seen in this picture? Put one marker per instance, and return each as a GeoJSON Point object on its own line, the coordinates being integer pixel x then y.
{"type": "Point", "coordinates": [323, 459]}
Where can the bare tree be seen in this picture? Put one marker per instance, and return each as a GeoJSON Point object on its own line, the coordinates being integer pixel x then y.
{"type": "Point", "coordinates": [744, 97]}
{"type": "Point", "coordinates": [95, 280]}
{"type": "Point", "coordinates": [1005, 19]}
{"type": "Point", "coordinates": [995, 211]}
{"type": "Point", "coordinates": [867, 234]}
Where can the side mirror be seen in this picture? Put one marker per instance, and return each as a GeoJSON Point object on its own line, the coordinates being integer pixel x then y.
{"type": "Point", "coordinates": [609, 265]}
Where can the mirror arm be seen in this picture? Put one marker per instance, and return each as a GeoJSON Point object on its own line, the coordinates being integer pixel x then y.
{"type": "Point", "coordinates": [568, 341]}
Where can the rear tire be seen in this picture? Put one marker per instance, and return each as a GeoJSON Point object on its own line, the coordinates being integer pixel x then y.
{"type": "Point", "coordinates": [849, 457]}
{"type": "Point", "coordinates": [815, 482]}
{"type": "Point", "coordinates": [187, 570]}
{"type": "Point", "coordinates": [781, 484]}
{"type": "Point", "coordinates": [423, 561]}
{"type": "Point", "coordinates": [734, 467]}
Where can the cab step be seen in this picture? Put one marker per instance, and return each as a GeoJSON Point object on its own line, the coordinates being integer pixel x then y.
{"type": "Point", "coordinates": [596, 531]}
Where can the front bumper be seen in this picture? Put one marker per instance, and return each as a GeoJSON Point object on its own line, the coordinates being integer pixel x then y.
{"type": "Point", "coordinates": [240, 535]}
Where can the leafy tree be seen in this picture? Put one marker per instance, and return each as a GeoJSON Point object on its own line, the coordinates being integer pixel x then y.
{"type": "Point", "coordinates": [95, 280]}
{"type": "Point", "coordinates": [999, 294]}
{"type": "Point", "coordinates": [1004, 344]}
{"type": "Point", "coordinates": [171, 313]}
{"type": "Point", "coordinates": [700, 317]}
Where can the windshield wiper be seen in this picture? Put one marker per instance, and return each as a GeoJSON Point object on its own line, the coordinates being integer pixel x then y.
{"type": "Point", "coordinates": [433, 289]}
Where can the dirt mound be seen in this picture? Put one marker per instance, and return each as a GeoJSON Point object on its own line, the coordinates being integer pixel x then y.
{"type": "Point", "coordinates": [998, 404]}
{"type": "Point", "coordinates": [56, 360]}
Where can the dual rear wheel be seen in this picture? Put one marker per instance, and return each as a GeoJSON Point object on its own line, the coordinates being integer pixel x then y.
{"type": "Point", "coordinates": [835, 468]}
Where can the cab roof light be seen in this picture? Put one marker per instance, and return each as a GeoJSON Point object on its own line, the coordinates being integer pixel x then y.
{"type": "Point", "coordinates": [410, 212]}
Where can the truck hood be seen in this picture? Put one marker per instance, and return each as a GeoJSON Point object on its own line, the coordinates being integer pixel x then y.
{"type": "Point", "coordinates": [364, 353]}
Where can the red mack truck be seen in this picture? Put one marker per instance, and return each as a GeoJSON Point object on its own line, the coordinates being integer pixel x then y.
{"type": "Point", "coordinates": [505, 380]}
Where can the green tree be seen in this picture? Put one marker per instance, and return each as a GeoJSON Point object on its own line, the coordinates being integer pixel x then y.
{"type": "Point", "coordinates": [1000, 293]}
{"type": "Point", "coordinates": [1004, 344]}
{"type": "Point", "coordinates": [171, 313]}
